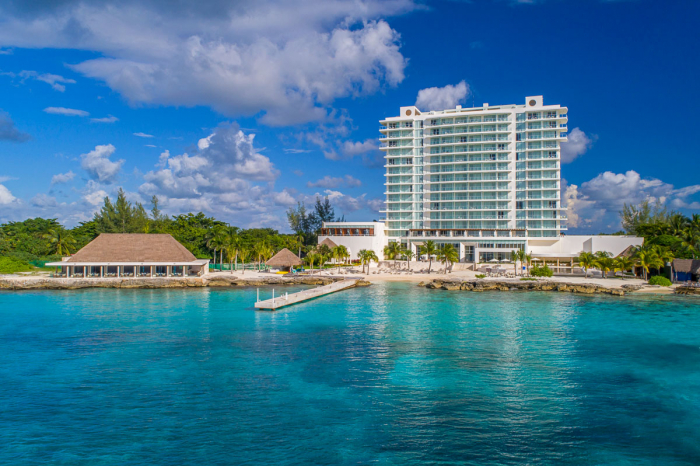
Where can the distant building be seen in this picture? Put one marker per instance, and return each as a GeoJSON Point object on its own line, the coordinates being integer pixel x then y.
{"type": "Point", "coordinates": [484, 179]}
{"type": "Point", "coordinates": [686, 270]}
{"type": "Point", "coordinates": [132, 255]}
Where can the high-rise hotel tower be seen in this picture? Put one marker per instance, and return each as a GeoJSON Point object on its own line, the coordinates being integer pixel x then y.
{"type": "Point", "coordinates": [486, 179]}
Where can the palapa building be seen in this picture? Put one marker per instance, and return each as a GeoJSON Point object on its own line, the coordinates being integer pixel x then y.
{"type": "Point", "coordinates": [285, 259]}
{"type": "Point", "coordinates": [127, 255]}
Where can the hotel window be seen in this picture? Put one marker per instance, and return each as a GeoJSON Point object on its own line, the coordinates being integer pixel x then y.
{"type": "Point", "coordinates": [519, 205]}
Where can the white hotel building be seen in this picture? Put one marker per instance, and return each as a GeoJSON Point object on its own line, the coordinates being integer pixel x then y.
{"type": "Point", "coordinates": [485, 179]}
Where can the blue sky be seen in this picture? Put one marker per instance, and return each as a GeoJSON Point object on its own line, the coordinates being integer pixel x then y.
{"type": "Point", "coordinates": [241, 109]}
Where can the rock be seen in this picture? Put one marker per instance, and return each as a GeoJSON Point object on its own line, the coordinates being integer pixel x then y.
{"type": "Point", "coordinates": [479, 285]}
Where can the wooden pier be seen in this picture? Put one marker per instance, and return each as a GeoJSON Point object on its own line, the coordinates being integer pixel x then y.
{"type": "Point", "coordinates": [294, 298]}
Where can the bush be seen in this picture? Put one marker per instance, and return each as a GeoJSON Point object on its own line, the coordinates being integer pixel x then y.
{"type": "Point", "coordinates": [659, 280]}
{"type": "Point", "coordinates": [13, 265]}
{"type": "Point", "coordinates": [541, 271]}
{"type": "Point", "coordinates": [480, 275]}
{"type": "Point", "coordinates": [528, 279]}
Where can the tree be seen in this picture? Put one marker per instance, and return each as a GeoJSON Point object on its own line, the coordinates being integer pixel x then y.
{"type": "Point", "coordinates": [61, 240]}
{"type": "Point", "coordinates": [430, 249]}
{"type": "Point", "coordinates": [366, 257]}
{"type": "Point", "coordinates": [623, 264]}
{"type": "Point", "coordinates": [528, 262]}
{"type": "Point", "coordinates": [122, 216]}
{"type": "Point", "coordinates": [260, 249]}
{"type": "Point", "coordinates": [648, 258]}
{"type": "Point", "coordinates": [339, 253]}
{"type": "Point", "coordinates": [243, 255]}
{"type": "Point", "coordinates": [392, 250]}
{"type": "Point", "coordinates": [311, 258]}
{"type": "Point", "coordinates": [216, 240]}
{"type": "Point", "coordinates": [408, 255]}
{"type": "Point", "coordinates": [448, 255]}
{"type": "Point", "coordinates": [605, 264]}
{"type": "Point", "coordinates": [517, 255]}
{"type": "Point", "coordinates": [586, 260]}
{"type": "Point", "coordinates": [324, 211]}
{"type": "Point", "coordinates": [232, 245]}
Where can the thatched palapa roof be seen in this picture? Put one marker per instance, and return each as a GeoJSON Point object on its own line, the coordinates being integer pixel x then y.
{"type": "Point", "coordinates": [133, 247]}
{"type": "Point", "coordinates": [687, 265]}
{"type": "Point", "coordinates": [328, 243]}
{"type": "Point", "coordinates": [284, 258]}
{"type": "Point", "coordinates": [628, 252]}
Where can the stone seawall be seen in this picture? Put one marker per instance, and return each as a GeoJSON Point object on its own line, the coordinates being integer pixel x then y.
{"type": "Point", "coordinates": [489, 285]}
{"type": "Point", "coordinates": [34, 283]}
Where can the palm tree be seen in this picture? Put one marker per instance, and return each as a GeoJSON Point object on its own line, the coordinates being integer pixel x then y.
{"type": "Point", "coordinates": [516, 256]}
{"type": "Point", "coordinates": [409, 255]}
{"type": "Point", "coordinates": [623, 264]}
{"type": "Point", "coordinates": [528, 261]}
{"type": "Point", "coordinates": [449, 255]}
{"type": "Point", "coordinates": [324, 250]}
{"type": "Point", "coordinates": [340, 252]}
{"type": "Point", "coordinates": [648, 258]}
{"type": "Point", "coordinates": [429, 248]}
{"type": "Point", "coordinates": [392, 250]}
{"type": "Point", "coordinates": [215, 240]}
{"type": "Point", "coordinates": [310, 259]}
{"type": "Point", "coordinates": [299, 241]}
{"type": "Point", "coordinates": [61, 240]}
{"type": "Point", "coordinates": [605, 264]}
{"type": "Point", "coordinates": [243, 254]}
{"type": "Point", "coordinates": [259, 249]}
{"type": "Point", "coordinates": [666, 255]}
{"type": "Point", "coordinates": [366, 257]}
{"type": "Point", "coordinates": [586, 260]}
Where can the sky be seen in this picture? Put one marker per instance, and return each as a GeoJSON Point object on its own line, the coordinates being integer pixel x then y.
{"type": "Point", "coordinates": [241, 109]}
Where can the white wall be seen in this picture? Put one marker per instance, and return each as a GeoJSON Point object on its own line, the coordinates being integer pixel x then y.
{"type": "Point", "coordinates": [572, 245]}
{"type": "Point", "coordinates": [355, 244]}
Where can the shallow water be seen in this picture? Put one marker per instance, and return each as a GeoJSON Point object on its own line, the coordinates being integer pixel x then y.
{"type": "Point", "coordinates": [389, 374]}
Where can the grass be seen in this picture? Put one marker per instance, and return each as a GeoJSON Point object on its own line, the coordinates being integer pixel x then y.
{"type": "Point", "coordinates": [528, 279]}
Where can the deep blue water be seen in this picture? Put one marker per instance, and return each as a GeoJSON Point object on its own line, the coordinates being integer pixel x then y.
{"type": "Point", "coordinates": [390, 374]}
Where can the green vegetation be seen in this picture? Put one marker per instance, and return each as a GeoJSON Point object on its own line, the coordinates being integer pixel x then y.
{"type": "Point", "coordinates": [429, 249]}
{"type": "Point", "coordinates": [448, 255]}
{"type": "Point", "coordinates": [14, 265]}
{"type": "Point", "coordinates": [659, 280]}
{"type": "Point", "coordinates": [37, 240]}
{"type": "Point", "coordinates": [480, 275]}
{"type": "Point", "coordinates": [676, 233]}
{"type": "Point", "coordinates": [528, 279]}
{"type": "Point", "coordinates": [366, 257]}
{"type": "Point", "coordinates": [543, 271]}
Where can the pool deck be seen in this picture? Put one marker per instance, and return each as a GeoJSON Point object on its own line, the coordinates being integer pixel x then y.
{"type": "Point", "coordinates": [305, 295]}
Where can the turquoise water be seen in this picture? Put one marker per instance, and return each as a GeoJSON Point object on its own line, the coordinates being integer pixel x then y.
{"type": "Point", "coordinates": [390, 374]}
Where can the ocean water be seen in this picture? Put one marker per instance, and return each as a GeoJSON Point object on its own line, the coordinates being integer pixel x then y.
{"type": "Point", "coordinates": [390, 374]}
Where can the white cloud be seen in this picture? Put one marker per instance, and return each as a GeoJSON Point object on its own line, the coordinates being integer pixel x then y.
{"type": "Point", "coordinates": [55, 81]}
{"type": "Point", "coordinates": [62, 177]}
{"type": "Point", "coordinates": [143, 135]}
{"type": "Point", "coordinates": [66, 111]}
{"type": "Point", "coordinates": [576, 145]}
{"type": "Point", "coordinates": [6, 196]}
{"type": "Point", "coordinates": [297, 151]}
{"type": "Point", "coordinates": [288, 60]}
{"type": "Point", "coordinates": [44, 200]}
{"type": "Point", "coordinates": [335, 182]}
{"type": "Point", "coordinates": [99, 166]}
{"type": "Point", "coordinates": [594, 206]}
{"type": "Point", "coordinates": [226, 164]}
{"type": "Point", "coordinates": [107, 119]}
{"type": "Point", "coordinates": [8, 130]}
{"type": "Point", "coordinates": [441, 98]}
{"type": "Point", "coordinates": [351, 149]}
{"type": "Point", "coordinates": [150, 145]}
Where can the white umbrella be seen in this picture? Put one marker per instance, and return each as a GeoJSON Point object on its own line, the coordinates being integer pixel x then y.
{"type": "Point", "coordinates": [536, 259]}
{"type": "Point", "coordinates": [494, 260]}
{"type": "Point", "coordinates": [505, 260]}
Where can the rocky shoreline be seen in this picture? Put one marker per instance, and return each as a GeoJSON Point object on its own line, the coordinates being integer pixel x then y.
{"type": "Point", "coordinates": [33, 283]}
{"type": "Point", "coordinates": [580, 288]}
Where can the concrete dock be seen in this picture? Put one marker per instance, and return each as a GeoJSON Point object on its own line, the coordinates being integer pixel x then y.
{"type": "Point", "coordinates": [294, 298]}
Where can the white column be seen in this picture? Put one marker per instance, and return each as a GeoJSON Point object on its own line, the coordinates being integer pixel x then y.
{"type": "Point", "coordinates": [102, 271]}
{"type": "Point", "coordinates": [184, 270]}
{"type": "Point", "coordinates": [118, 271]}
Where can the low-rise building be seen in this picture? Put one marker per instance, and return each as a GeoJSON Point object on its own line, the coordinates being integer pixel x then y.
{"type": "Point", "coordinates": [131, 255]}
{"type": "Point", "coordinates": [355, 236]}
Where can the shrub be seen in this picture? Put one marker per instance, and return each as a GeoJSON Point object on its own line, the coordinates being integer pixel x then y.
{"type": "Point", "coordinates": [659, 280]}
{"type": "Point", "coordinates": [480, 275]}
{"type": "Point", "coordinates": [528, 279]}
{"type": "Point", "coordinates": [12, 265]}
{"type": "Point", "coordinates": [537, 271]}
